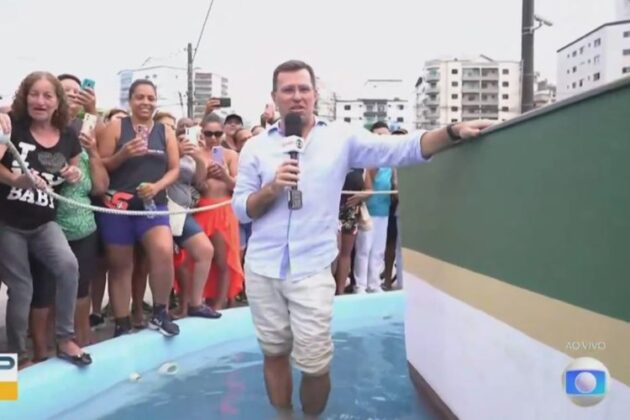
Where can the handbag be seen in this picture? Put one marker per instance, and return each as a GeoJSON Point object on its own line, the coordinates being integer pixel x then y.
{"type": "Point", "coordinates": [177, 221]}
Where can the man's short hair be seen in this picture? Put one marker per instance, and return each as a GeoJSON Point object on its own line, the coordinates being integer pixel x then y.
{"type": "Point", "coordinates": [292, 66]}
{"type": "Point", "coordinates": [68, 76]}
{"type": "Point", "coordinates": [378, 124]}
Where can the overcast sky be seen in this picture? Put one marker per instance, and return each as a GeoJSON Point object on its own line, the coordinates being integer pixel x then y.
{"type": "Point", "coordinates": [346, 41]}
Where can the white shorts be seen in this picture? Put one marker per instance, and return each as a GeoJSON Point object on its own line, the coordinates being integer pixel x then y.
{"type": "Point", "coordinates": [293, 317]}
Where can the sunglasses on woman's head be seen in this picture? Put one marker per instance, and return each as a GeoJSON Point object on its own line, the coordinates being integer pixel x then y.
{"type": "Point", "coordinates": [213, 133]}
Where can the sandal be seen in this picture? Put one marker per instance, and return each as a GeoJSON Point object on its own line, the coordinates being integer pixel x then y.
{"type": "Point", "coordinates": [203, 311]}
{"type": "Point", "coordinates": [80, 360]}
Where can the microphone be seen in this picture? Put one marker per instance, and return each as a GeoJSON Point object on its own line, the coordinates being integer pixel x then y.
{"type": "Point", "coordinates": [294, 144]}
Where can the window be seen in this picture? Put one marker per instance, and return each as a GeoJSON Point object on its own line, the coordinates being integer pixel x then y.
{"type": "Point", "coordinates": [455, 84]}
{"type": "Point", "coordinates": [347, 107]}
{"type": "Point", "coordinates": [347, 119]}
{"type": "Point", "coordinates": [454, 109]}
{"type": "Point", "coordinates": [581, 82]}
{"type": "Point", "coordinates": [597, 42]}
{"type": "Point", "coordinates": [574, 69]}
{"type": "Point", "coordinates": [454, 120]}
{"type": "Point", "coordinates": [505, 97]}
{"type": "Point", "coordinates": [505, 109]}
{"type": "Point", "coordinates": [506, 71]}
{"type": "Point", "coordinates": [596, 59]}
{"type": "Point", "coordinates": [573, 85]}
{"type": "Point", "coordinates": [574, 53]}
{"type": "Point", "coordinates": [401, 107]}
{"type": "Point", "coordinates": [454, 96]}
{"type": "Point", "coordinates": [400, 119]}
{"type": "Point", "coordinates": [505, 84]}
{"type": "Point", "coordinates": [581, 50]}
{"type": "Point", "coordinates": [589, 61]}
{"type": "Point", "coordinates": [626, 34]}
{"type": "Point", "coordinates": [625, 70]}
{"type": "Point", "coordinates": [568, 71]}
{"type": "Point", "coordinates": [596, 77]}
{"type": "Point", "coordinates": [626, 52]}
{"type": "Point", "coordinates": [454, 71]}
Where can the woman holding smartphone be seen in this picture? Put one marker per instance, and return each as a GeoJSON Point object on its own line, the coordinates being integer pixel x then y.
{"type": "Point", "coordinates": [143, 160]}
{"type": "Point", "coordinates": [196, 249]}
{"type": "Point", "coordinates": [38, 126]}
{"type": "Point", "coordinates": [225, 281]}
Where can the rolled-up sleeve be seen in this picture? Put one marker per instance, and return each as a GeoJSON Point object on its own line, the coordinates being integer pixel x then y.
{"type": "Point", "coordinates": [369, 150]}
{"type": "Point", "coordinates": [247, 182]}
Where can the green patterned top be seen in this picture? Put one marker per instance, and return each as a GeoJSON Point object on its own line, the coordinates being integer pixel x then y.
{"type": "Point", "coordinates": [77, 223]}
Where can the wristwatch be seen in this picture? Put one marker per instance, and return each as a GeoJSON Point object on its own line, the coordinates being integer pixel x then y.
{"type": "Point", "coordinates": [451, 134]}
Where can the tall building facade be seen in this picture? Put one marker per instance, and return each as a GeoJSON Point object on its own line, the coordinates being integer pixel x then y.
{"type": "Point", "coordinates": [596, 58]}
{"type": "Point", "coordinates": [454, 90]}
{"type": "Point", "coordinates": [172, 85]}
{"type": "Point", "coordinates": [327, 102]}
{"type": "Point", "coordinates": [387, 100]}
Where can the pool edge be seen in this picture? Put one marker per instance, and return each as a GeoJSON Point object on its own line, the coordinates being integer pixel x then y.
{"type": "Point", "coordinates": [428, 396]}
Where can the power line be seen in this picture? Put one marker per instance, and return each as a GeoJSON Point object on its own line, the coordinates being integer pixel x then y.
{"type": "Point", "coordinates": [203, 28]}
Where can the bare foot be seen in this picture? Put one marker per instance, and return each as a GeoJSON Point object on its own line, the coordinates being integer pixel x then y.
{"type": "Point", "coordinates": [70, 347]}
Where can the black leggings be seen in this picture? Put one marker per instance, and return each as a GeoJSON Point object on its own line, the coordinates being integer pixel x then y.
{"type": "Point", "coordinates": [86, 252]}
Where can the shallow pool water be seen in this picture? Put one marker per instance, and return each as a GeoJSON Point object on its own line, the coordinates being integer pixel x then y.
{"type": "Point", "coordinates": [369, 381]}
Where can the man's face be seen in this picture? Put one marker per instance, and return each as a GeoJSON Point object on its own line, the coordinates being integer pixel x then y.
{"type": "Point", "coordinates": [295, 93]}
{"type": "Point", "coordinates": [232, 126]}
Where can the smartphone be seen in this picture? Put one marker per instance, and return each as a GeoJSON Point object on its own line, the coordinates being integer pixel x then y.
{"type": "Point", "coordinates": [225, 102]}
{"type": "Point", "coordinates": [192, 134]}
{"type": "Point", "coordinates": [217, 154]}
{"type": "Point", "coordinates": [89, 124]}
{"type": "Point", "coordinates": [143, 132]}
{"type": "Point", "coordinates": [88, 84]}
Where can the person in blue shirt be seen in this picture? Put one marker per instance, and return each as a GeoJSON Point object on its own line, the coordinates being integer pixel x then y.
{"type": "Point", "coordinates": [290, 287]}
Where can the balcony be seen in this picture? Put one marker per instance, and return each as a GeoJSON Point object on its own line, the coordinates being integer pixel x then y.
{"type": "Point", "coordinates": [470, 87]}
{"type": "Point", "coordinates": [494, 76]}
{"type": "Point", "coordinates": [435, 101]}
{"type": "Point", "coordinates": [432, 77]}
{"type": "Point", "coordinates": [490, 89]}
{"type": "Point", "coordinates": [471, 75]}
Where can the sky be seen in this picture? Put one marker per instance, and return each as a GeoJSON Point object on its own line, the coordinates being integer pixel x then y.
{"type": "Point", "coordinates": [346, 41]}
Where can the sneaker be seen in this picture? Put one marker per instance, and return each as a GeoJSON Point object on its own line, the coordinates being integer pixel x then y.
{"type": "Point", "coordinates": [161, 321]}
{"type": "Point", "coordinates": [203, 311]}
{"type": "Point", "coordinates": [97, 321]}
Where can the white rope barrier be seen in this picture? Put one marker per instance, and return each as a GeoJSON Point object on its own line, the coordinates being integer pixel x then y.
{"type": "Point", "coordinates": [97, 209]}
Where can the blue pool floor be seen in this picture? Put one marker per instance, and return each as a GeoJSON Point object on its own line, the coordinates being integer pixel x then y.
{"type": "Point", "coordinates": [369, 381]}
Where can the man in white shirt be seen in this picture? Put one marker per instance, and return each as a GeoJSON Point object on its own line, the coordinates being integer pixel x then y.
{"type": "Point", "coordinates": [289, 283]}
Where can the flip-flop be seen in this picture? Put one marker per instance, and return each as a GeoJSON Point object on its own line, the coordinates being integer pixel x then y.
{"type": "Point", "coordinates": [81, 360]}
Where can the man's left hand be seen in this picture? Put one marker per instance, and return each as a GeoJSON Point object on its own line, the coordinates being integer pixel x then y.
{"type": "Point", "coordinates": [472, 129]}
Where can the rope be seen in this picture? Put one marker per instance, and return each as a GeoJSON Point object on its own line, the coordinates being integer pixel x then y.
{"type": "Point", "coordinates": [121, 212]}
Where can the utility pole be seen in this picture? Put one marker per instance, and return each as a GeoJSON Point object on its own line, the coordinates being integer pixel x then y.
{"type": "Point", "coordinates": [527, 56]}
{"type": "Point", "coordinates": [190, 90]}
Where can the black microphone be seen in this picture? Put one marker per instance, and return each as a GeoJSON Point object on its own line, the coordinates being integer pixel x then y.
{"type": "Point", "coordinates": [293, 127]}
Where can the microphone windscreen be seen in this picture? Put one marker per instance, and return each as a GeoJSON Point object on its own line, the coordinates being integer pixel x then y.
{"type": "Point", "coordinates": [293, 125]}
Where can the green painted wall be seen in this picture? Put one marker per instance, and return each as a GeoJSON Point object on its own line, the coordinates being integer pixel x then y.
{"type": "Point", "coordinates": [543, 204]}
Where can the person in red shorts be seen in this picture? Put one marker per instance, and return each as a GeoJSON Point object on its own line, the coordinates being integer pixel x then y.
{"type": "Point", "coordinates": [225, 281]}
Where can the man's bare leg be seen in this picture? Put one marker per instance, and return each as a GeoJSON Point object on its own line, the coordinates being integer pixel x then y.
{"type": "Point", "coordinates": [278, 380]}
{"type": "Point", "coordinates": [314, 391]}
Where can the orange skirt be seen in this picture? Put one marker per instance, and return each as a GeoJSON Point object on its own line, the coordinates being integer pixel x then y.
{"type": "Point", "coordinates": [223, 221]}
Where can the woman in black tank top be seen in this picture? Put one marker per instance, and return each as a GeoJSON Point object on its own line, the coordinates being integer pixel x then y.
{"type": "Point", "coordinates": [143, 160]}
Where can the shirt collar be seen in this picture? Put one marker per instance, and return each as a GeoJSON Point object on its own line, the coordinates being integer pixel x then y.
{"type": "Point", "coordinates": [276, 127]}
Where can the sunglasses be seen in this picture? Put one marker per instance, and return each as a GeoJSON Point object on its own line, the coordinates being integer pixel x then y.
{"type": "Point", "coordinates": [213, 133]}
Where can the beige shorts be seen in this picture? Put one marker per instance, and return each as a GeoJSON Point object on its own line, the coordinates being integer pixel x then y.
{"type": "Point", "coordinates": [293, 317]}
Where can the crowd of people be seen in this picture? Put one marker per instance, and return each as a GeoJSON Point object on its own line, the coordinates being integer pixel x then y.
{"type": "Point", "coordinates": [59, 259]}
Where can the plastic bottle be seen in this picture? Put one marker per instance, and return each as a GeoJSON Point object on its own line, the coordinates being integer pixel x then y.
{"type": "Point", "coordinates": [149, 204]}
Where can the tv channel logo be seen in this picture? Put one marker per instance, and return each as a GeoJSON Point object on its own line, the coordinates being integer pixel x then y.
{"type": "Point", "coordinates": [8, 377]}
{"type": "Point", "coordinates": [586, 381]}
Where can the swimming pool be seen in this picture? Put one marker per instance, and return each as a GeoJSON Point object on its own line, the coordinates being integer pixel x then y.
{"type": "Point", "coordinates": [218, 372]}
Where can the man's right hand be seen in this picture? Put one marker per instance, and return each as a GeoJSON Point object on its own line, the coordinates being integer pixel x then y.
{"type": "Point", "coordinates": [287, 175]}
{"type": "Point", "coordinates": [135, 148]}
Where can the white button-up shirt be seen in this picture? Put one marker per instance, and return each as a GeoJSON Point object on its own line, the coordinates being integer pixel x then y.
{"type": "Point", "coordinates": [296, 244]}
